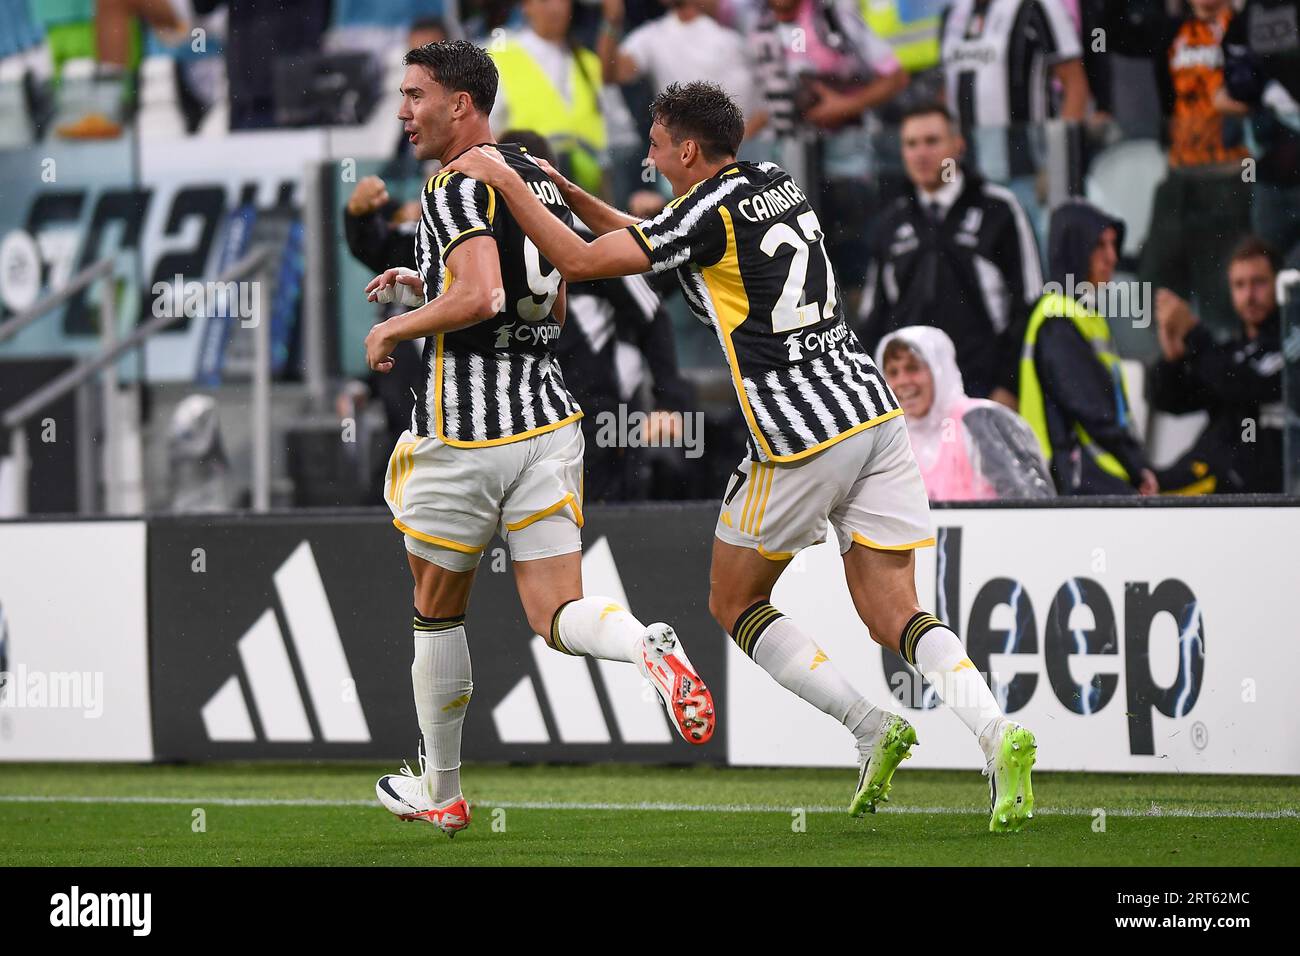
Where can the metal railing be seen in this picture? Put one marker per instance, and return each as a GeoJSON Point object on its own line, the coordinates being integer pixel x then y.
{"type": "Point", "coordinates": [105, 361]}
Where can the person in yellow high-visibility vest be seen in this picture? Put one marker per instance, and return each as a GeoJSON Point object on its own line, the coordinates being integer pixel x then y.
{"type": "Point", "coordinates": [911, 27]}
{"type": "Point", "coordinates": [1071, 385]}
{"type": "Point", "coordinates": [552, 86]}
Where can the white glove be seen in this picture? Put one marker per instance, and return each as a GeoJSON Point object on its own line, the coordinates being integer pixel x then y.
{"type": "Point", "coordinates": [403, 294]}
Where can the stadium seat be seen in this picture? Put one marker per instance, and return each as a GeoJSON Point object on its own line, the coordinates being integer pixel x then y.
{"type": "Point", "coordinates": [15, 124]}
{"type": "Point", "coordinates": [1123, 181]}
{"type": "Point", "coordinates": [159, 116]}
{"type": "Point", "coordinates": [1171, 435]}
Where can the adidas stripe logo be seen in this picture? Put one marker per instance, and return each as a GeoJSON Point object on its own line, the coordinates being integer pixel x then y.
{"type": "Point", "coordinates": [570, 693]}
{"type": "Point", "coordinates": [269, 673]}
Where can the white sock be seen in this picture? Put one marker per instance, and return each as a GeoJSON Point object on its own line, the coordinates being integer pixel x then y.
{"type": "Point", "coordinates": [936, 652]}
{"type": "Point", "coordinates": [443, 684]}
{"type": "Point", "coordinates": [598, 627]}
{"type": "Point", "coordinates": [803, 668]}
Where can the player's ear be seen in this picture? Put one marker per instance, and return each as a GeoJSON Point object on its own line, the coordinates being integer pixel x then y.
{"type": "Point", "coordinates": [690, 151]}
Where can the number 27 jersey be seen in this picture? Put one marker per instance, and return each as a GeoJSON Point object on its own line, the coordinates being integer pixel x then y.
{"type": "Point", "coordinates": [748, 251]}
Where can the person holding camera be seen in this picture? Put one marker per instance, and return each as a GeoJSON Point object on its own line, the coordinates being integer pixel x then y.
{"type": "Point", "coordinates": [822, 71]}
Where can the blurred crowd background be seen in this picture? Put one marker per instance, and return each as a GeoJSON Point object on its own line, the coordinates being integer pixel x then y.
{"type": "Point", "coordinates": [1068, 230]}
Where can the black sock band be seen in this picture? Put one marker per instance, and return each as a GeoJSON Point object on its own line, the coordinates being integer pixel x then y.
{"type": "Point", "coordinates": [752, 623]}
{"type": "Point", "coordinates": [915, 629]}
{"type": "Point", "coordinates": [554, 639]}
{"type": "Point", "coordinates": [431, 625]}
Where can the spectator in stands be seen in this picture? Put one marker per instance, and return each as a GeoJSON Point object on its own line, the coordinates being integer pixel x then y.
{"type": "Point", "coordinates": [1262, 73]}
{"type": "Point", "coordinates": [380, 232]}
{"type": "Point", "coordinates": [1071, 383]}
{"type": "Point", "coordinates": [115, 21]}
{"type": "Point", "coordinates": [822, 71]}
{"type": "Point", "coordinates": [968, 449]}
{"type": "Point", "coordinates": [956, 252]}
{"type": "Point", "coordinates": [1203, 206]}
{"type": "Point", "coordinates": [1238, 382]}
{"type": "Point", "coordinates": [260, 34]}
{"type": "Point", "coordinates": [1000, 58]}
{"type": "Point", "coordinates": [25, 56]}
{"type": "Point", "coordinates": [684, 44]}
{"type": "Point", "coordinates": [550, 84]}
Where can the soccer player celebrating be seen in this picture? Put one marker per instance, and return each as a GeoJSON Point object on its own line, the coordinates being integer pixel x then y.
{"type": "Point", "coordinates": [826, 439]}
{"type": "Point", "coordinates": [494, 441]}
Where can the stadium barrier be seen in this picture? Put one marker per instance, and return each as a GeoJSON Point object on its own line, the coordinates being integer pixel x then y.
{"type": "Point", "coordinates": [1154, 638]}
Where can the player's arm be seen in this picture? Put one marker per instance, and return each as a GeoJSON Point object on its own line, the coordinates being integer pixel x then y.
{"type": "Point", "coordinates": [474, 296]}
{"type": "Point", "coordinates": [613, 254]}
{"type": "Point", "coordinates": [560, 311]}
{"type": "Point", "coordinates": [596, 214]}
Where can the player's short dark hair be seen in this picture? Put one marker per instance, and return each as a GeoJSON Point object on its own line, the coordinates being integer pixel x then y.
{"type": "Point", "coordinates": [535, 143]}
{"type": "Point", "coordinates": [460, 67]}
{"type": "Point", "coordinates": [928, 108]}
{"type": "Point", "coordinates": [1253, 247]}
{"type": "Point", "coordinates": [702, 112]}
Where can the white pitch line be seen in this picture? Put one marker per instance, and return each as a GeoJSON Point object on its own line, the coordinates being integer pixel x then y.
{"type": "Point", "coordinates": [1182, 812]}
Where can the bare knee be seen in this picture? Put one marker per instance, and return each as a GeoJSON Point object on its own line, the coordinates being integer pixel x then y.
{"type": "Point", "coordinates": [727, 608]}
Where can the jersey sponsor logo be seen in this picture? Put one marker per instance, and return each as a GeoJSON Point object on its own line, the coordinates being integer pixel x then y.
{"type": "Point", "coordinates": [526, 334]}
{"type": "Point", "coordinates": [814, 342]}
{"type": "Point", "coordinates": [771, 203]}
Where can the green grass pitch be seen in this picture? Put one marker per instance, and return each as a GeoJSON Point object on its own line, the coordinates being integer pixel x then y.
{"type": "Point", "coordinates": [307, 814]}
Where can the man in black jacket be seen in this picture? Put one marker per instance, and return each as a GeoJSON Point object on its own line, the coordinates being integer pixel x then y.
{"type": "Point", "coordinates": [1238, 382]}
{"type": "Point", "coordinates": [958, 253]}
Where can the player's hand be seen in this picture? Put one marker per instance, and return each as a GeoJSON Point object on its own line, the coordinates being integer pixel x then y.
{"type": "Point", "coordinates": [389, 280]}
{"type": "Point", "coordinates": [557, 177]}
{"type": "Point", "coordinates": [483, 164]}
{"type": "Point", "coordinates": [369, 195]}
{"type": "Point", "coordinates": [379, 348]}
{"type": "Point", "coordinates": [1148, 485]}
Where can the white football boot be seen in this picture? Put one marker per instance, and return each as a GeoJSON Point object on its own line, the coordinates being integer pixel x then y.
{"type": "Point", "coordinates": [665, 665]}
{"type": "Point", "coordinates": [405, 795]}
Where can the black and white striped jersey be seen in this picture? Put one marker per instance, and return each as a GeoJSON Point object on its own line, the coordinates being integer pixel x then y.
{"type": "Point", "coordinates": [497, 381]}
{"type": "Point", "coordinates": [748, 251]}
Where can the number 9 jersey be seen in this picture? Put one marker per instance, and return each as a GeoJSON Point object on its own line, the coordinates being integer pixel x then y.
{"type": "Point", "coordinates": [749, 254]}
{"type": "Point", "coordinates": [497, 381]}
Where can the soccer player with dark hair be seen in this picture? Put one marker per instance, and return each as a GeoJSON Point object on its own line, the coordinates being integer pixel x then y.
{"type": "Point", "coordinates": [826, 439]}
{"type": "Point", "coordinates": [494, 443]}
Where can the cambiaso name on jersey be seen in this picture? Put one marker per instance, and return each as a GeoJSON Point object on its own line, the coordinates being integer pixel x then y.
{"type": "Point", "coordinates": [497, 381]}
{"type": "Point", "coordinates": [748, 251]}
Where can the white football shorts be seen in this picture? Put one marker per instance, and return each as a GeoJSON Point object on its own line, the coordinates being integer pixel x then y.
{"type": "Point", "coordinates": [868, 486]}
{"type": "Point", "coordinates": [449, 501]}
